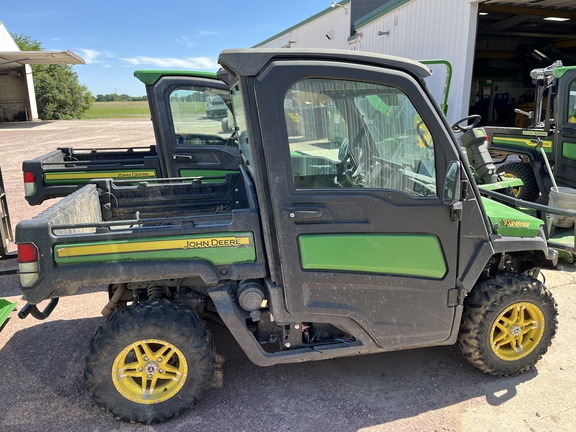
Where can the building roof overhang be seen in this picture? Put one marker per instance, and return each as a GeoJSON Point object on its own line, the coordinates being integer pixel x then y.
{"type": "Point", "coordinates": [12, 59]}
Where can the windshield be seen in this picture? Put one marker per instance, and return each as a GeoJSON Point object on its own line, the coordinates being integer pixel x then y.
{"type": "Point", "coordinates": [201, 115]}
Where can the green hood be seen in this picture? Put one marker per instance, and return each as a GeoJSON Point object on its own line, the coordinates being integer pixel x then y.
{"type": "Point", "coordinates": [508, 221]}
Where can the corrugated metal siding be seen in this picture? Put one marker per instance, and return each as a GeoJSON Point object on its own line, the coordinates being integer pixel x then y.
{"type": "Point", "coordinates": [419, 29]}
{"type": "Point", "coordinates": [429, 29]}
{"type": "Point", "coordinates": [330, 30]}
{"type": "Point", "coordinates": [313, 35]}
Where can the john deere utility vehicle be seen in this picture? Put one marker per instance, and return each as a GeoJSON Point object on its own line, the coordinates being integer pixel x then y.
{"type": "Point", "coordinates": [351, 224]}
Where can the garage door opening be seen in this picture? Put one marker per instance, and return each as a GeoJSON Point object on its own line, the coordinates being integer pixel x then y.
{"type": "Point", "coordinates": [514, 37]}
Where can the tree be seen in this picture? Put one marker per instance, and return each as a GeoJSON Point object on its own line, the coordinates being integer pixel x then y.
{"type": "Point", "coordinates": [59, 94]}
{"type": "Point", "coordinates": [116, 97]}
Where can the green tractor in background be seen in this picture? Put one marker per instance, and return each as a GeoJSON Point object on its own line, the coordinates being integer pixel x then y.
{"type": "Point", "coordinates": [534, 169]}
{"type": "Point", "coordinates": [552, 129]}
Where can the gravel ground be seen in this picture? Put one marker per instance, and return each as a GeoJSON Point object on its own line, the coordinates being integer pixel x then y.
{"type": "Point", "coordinates": [430, 389]}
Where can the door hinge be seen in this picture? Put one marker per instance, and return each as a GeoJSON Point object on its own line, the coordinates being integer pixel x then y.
{"type": "Point", "coordinates": [456, 211]}
{"type": "Point", "coordinates": [456, 297]}
{"type": "Point", "coordinates": [465, 189]}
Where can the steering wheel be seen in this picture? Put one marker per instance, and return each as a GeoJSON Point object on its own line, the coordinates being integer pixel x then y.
{"type": "Point", "coordinates": [424, 134]}
{"type": "Point", "coordinates": [459, 127]}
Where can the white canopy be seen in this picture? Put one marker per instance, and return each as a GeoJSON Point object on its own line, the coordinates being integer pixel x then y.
{"type": "Point", "coordinates": [9, 59]}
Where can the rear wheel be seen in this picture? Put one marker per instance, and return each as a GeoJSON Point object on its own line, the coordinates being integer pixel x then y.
{"type": "Point", "coordinates": [529, 191]}
{"type": "Point", "coordinates": [508, 324]}
{"type": "Point", "coordinates": [149, 362]}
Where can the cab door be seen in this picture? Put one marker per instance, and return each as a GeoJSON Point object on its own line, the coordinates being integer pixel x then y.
{"type": "Point", "coordinates": [565, 137]}
{"type": "Point", "coordinates": [193, 124]}
{"type": "Point", "coordinates": [355, 166]}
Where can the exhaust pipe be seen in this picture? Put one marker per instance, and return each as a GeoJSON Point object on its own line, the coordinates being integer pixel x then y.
{"type": "Point", "coordinates": [33, 310]}
{"type": "Point", "coordinates": [113, 303]}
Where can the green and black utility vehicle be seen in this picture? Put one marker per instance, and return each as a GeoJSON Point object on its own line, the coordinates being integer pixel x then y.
{"type": "Point", "coordinates": [186, 130]}
{"type": "Point", "coordinates": [553, 129]}
{"type": "Point", "coordinates": [352, 225]}
{"type": "Point", "coordinates": [188, 125]}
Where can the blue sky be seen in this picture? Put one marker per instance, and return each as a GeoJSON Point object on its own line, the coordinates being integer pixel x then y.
{"type": "Point", "coordinates": [115, 38]}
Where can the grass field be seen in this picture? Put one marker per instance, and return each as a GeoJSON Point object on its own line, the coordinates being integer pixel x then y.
{"type": "Point", "coordinates": [119, 109]}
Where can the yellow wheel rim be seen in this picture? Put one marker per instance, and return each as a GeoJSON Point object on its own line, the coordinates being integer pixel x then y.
{"type": "Point", "coordinates": [517, 331]}
{"type": "Point", "coordinates": [149, 371]}
{"type": "Point", "coordinates": [515, 190]}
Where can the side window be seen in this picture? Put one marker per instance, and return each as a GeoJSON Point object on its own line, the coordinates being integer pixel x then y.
{"type": "Point", "coordinates": [572, 103]}
{"type": "Point", "coordinates": [347, 134]}
{"type": "Point", "coordinates": [200, 116]}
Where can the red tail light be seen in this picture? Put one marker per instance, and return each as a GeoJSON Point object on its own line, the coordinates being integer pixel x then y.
{"type": "Point", "coordinates": [28, 266]}
{"type": "Point", "coordinates": [27, 252]}
{"type": "Point", "coordinates": [29, 177]}
{"type": "Point", "coordinates": [29, 183]}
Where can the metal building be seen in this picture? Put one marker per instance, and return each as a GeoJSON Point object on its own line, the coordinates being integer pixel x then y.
{"type": "Point", "coordinates": [491, 44]}
{"type": "Point", "coordinates": [17, 97]}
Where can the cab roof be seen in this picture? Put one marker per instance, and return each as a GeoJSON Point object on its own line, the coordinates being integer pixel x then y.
{"type": "Point", "coordinates": [250, 61]}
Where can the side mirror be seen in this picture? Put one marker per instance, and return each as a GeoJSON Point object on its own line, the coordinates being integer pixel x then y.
{"type": "Point", "coordinates": [452, 190]}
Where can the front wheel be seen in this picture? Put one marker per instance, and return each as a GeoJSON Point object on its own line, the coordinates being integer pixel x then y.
{"type": "Point", "coordinates": [149, 362]}
{"type": "Point", "coordinates": [508, 324]}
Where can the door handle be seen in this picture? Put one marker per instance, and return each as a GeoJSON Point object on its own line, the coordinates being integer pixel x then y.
{"type": "Point", "coordinates": [183, 158]}
{"type": "Point", "coordinates": [306, 213]}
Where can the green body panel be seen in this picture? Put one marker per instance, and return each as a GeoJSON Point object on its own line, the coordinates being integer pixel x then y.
{"type": "Point", "coordinates": [522, 142]}
{"type": "Point", "coordinates": [218, 249]}
{"type": "Point", "coordinates": [569, 150]}
{"type": "Point", "coordinates": [560, 71]}
{"type": "Point", "coordinates": [417, 255]}
{"type": "Point", "coordinates": [5, 308]}
{"type": "Point", "coordinates": [79, 177]}
{"type": "Point", "coordinates": [502, 184]}
{"type": "Point", "coordinates": [447, 83]}
{"type": "Point", "coordinates": [150, 77]}
{"type": "Point", "coordinates": [564, 239]}
{"type": "Point", "coordinates": [508, 221]}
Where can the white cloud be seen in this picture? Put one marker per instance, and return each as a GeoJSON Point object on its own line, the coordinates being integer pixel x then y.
{"type": "Point", "coordinates": [90, 56]}
{"type": "Point", "coordinates": [209, 33]}
{"type": "Point", "coordinates": [184, 40]}
{"type": "Point", "coordinates": [203, 63]}
{"type": "Point", "coordinates": [188, 41]}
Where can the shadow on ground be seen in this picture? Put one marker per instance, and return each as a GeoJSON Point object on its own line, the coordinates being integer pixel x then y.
{"type": "Point", "coordinates": [23, 125]}
{"type": "Point", "coordinates": [44, 388]}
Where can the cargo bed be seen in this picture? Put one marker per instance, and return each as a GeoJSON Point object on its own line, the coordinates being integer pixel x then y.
{"type": "Point", "coordinates": [62, 171]}
{"type": "Point", "coordinates": [170, 228]}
